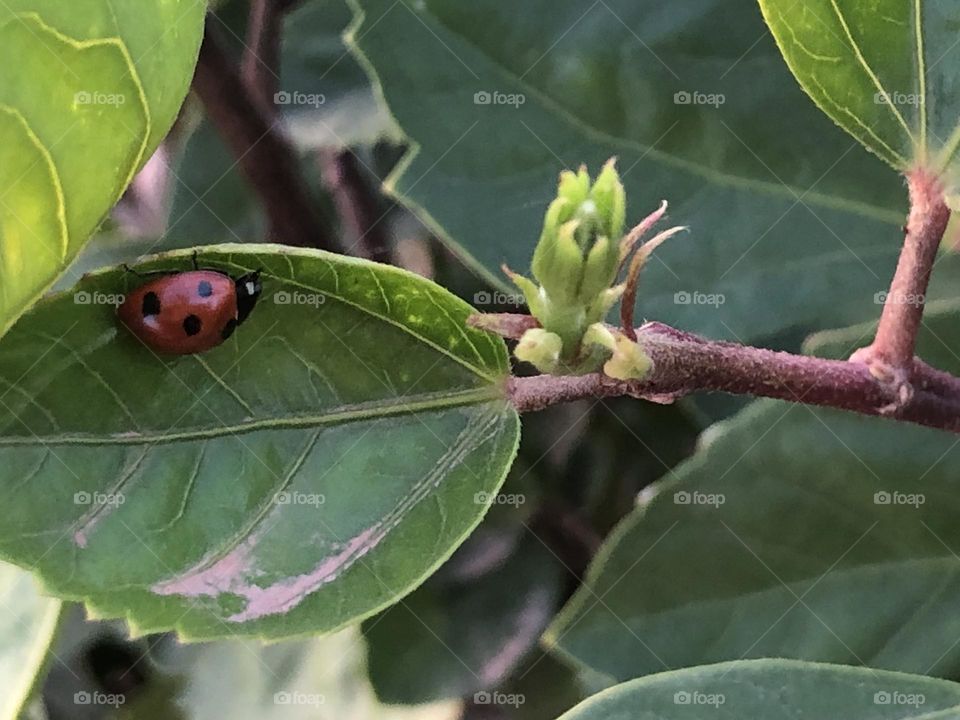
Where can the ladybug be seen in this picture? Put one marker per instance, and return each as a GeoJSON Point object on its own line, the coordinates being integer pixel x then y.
{"type": "Point", "coordinates": [188, 312]}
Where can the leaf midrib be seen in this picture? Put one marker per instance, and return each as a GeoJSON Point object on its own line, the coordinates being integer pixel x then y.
{"type": "Point", "coordinates": [346, 414]}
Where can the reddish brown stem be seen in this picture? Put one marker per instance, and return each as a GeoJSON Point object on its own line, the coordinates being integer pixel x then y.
{"type": "Point", "coordinates": [260, 62]}
{"type": "Point", "coordinates": [684, 363]}
{"type": "Point", "coordinates": [890, 356]}
{"type": "Point", "coordinates": [364, 234]}
{"type": "Point", "coordinates": [263, 154]}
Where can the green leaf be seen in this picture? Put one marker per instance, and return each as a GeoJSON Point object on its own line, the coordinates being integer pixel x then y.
{"type": "Point", "coordinates": [883, 72]}
{"type": "Point", "coordinates": [295, 680]}
{"type": "Point", "coordinates": [792, 223]}
{"type": "Point", "coordinates": [310, 471]}
{"type": "Point", "coordinates": [548, 687]}
{"type": "Point", "coordinates": [784, 547]}
{"type": "Point", "coordinates": [85, 96]}
{"type": "Point", "coordinates": [457, 638]}
{"type": "Point", "coordinates": [774, 689]}
{"type": "Point", "coordinates": [936, 343]}
{"type": "Point", "coordinates": [316, 63]}
{"type": "Point", "coordinates": [27, 624]}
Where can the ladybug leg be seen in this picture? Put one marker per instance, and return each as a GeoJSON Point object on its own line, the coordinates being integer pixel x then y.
{"type": "Point", "coordinates": [148, 273]}
{"type": "Point", "coordinates": [196, 266]}
{"type": "Point", "coordinates": [127, 268]}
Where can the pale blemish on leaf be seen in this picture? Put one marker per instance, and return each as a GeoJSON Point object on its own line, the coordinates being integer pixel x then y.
{"type": "Point", "coordinates": [236, 572]}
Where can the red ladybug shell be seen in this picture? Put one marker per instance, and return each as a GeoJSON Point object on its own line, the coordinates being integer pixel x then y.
{"type": "Point", "coordinates": [184, 313]}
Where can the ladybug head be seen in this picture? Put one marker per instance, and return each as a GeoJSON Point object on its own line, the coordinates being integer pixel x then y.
{"type": "Point", "coordinates": [248, 292]}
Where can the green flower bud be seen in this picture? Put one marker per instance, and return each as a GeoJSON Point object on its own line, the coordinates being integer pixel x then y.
{"type": "Point", "coordinates": [597, 275]}
{"type": "Point", "coordinates": [532, 293]}
{"type": "Point", "coordinates": [628, 362]}
{"type": "Point", "coordinates": [541, 349]}
{"type": "Point", "coordinates": [575, 266]}
{"type": "Point", "coordinates": [597, 347]}
{"type": "Point", "coordinates": [611, 200]}
{"type": "Point", "coordinates": [574, 187]}
{"type": "Point", "coordinates": [578, 255]}
{"type": "Point", "coordinates": [601, 336]}
{"type": "Point", "coordinates": [605, 301]}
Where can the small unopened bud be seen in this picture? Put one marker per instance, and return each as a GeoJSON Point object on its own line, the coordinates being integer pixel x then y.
{"type": "Point", "coordinates": [541, 349]}
{"type": "Point", "coordinates": [577, 258]}
{"type": "Point", "coordinates": [628, 362]}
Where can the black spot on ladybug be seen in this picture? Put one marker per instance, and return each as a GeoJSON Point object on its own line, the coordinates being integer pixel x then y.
{"type": "Point", "coordinates": [151, 304]}
{"type": "Point", "coordinates": [183, 313]}
{"type": "Point", "coordinates": [229, 328]}
{"type": "Point", "coordinates": [192, 325]}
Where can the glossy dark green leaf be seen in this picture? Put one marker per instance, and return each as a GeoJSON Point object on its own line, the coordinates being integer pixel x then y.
{"type": "Point", "coordinates": [792, 532]}
{"type": "Point", "coordinates": [938, 342]}
{"type": "Point", "coordinates": [549, 688]}
{"type": "Point", "coordinates": [792, 223]}
{"type": "Point", "coordinates": [310, 471]}
{"type": "Point", "coordinates": [452, 639]}
{"type": "Point", "coordinates": [328, 99]}
{"type": "Point", "coordinates": [885, 72]}
{"type": "Point", "coordinates": [767, 689]}
{"type": "Point", "coordinates": [87, 91]}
